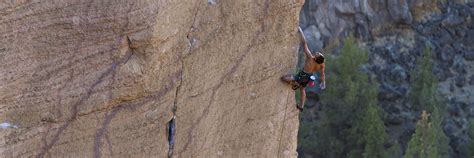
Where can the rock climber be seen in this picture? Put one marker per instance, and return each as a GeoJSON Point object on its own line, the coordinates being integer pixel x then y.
{"type": "Point", "coordinates": [313, 63]}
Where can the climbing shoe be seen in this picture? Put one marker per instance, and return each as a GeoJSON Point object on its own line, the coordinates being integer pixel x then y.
{"type": "Point", "coordinates": [299, 108]}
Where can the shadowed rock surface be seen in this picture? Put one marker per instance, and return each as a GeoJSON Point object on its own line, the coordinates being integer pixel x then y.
{"type": "Point", "coordinates": [100, 78]}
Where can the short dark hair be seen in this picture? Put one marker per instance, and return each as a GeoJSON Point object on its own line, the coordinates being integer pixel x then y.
{"type": "Point", "coordinates": [319, 59]}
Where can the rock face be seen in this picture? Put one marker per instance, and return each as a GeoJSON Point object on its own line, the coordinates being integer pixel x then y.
{"type": "Point", "coordinates": [101, 79]}
{"type": "Point", "coordinates": [395, 32]}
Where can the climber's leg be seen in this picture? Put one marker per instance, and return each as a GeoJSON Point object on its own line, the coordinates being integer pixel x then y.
{"type": "Point", "coordinates": [291, 80]}
{"type": "Point", "coordinates": [302, 99]}
{"type": "Point", "coordinates": [288, 78]}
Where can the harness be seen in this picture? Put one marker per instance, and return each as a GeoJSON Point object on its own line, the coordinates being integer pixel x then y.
{"type": "Point", "coordinates": [303, 78]}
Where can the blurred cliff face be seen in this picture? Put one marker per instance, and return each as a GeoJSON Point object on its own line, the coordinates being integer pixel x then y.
{"type": "Point", "coordinates": [395, 33]}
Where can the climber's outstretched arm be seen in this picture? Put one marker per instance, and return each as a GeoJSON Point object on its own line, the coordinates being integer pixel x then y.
{"type": "Point", "coordinates": [305, 44]}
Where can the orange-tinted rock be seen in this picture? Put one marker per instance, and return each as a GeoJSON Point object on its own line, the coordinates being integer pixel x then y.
{"type": "Point", "coordinates": [100, 79]}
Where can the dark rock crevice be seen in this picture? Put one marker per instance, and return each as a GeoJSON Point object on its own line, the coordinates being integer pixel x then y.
{"type": "Point", "coordinates": [181, 57]}
{"type": "Point", "coordinates": [226, 75]}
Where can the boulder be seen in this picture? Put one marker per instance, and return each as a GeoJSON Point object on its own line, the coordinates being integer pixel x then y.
{"type": "Point", "coordinates": [345, 8]}
{"type": "Point", "coordinates": [392, 92]}
{"type": "Point", "coordinates": [443, 37]}
{"type": "Point", "coordinates": [452, 20]}
{"type": "Point", "coordinates": [460, 81]}
{"type": "Point", "coordinates": [399, 11]}
{"type": "Point", "coordinates": [398, 73]}
{"type": "Point", "coordinates": [471, 80]}
{"type": "Point", "coordinates": [442, 72]}
{"type": "Point", "coordinates": [459, 66]}
{"type": "Point", "coordinates": [469, 39]}
{"type": "Point", "coordinates": [446, 55]}
{"type": "Point", "coordinates": [468, 55]}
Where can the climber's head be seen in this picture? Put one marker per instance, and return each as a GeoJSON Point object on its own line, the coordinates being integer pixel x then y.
{"type": "Point", "coordinates": [319, 58]}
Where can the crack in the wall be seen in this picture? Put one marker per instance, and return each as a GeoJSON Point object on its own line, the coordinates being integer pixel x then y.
{"type": "Point", "coordinates": [110, 72]}
{"type": "Point", "coordinates": [172, 123]}
{"type": "Point", "coordinates": [190, 39]}
{"type": "Point", "coordinates": [171, 133]}
{"type": "Point", "coordinates": [228, 74]}
{"type": "Point", "coordinates": [130, 105]}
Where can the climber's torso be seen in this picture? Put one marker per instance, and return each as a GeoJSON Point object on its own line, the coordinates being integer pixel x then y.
{"type": "Point", "coordinates": [311, 66]}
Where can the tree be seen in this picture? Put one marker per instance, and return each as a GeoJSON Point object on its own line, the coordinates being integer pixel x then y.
{"type": "Point", "coordinates": [428, 141]}
{"type": "Point", "coordinates": [423, 93]}
{"type": "Point", "coordinates": [374, 135]}
{"type": "Point", "coordinates": [369, 131]}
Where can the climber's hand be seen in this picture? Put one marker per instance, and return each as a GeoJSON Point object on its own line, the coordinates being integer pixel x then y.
{"type": "Point", "coordinates": [302, 35]}
{"type": "Point", "coordinates": [322, 85]}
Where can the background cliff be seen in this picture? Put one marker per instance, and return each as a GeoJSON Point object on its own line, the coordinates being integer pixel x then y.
{"type": "Point", "coordinates": [101, 78]}
{"type": "Point", "coordinates": [395, 33]}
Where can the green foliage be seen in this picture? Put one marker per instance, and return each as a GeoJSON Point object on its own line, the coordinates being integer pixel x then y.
{"type": "Point", "coordinates": [440, 149]}
{"type": "Point", "coordinates": [373, 131]}
{"type": "Point", "coordinates": [423, 94]}
{"type": "Point", "coordinates": [394, 151]}
{"type": "Point", "coordinates": [416, 146]}
{"type": "Point", "coordinates": [350, 124]}
{"type": "Point", "coordinates": [428, 141]}
{"type": "Point", "coordinates": [307, 128]}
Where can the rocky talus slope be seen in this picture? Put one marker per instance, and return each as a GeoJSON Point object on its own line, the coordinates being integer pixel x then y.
{"type": "Point", "coordinates": [395, 32]}
{"type": "Point", "coordinates": [101, 78]}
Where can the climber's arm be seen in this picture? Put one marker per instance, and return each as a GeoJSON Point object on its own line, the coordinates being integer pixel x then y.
{"type": "Point", "coordinates": [305, 44]}
{"type": "Point", "coordinates": [322, 79]}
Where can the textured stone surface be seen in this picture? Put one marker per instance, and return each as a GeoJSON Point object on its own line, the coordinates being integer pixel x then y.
{"type": "Point", "coordinates": [100, 78]}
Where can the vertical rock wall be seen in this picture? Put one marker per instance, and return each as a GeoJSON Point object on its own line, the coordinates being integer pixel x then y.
{"type": "Point", "coordinates": [395, 32]}
{"type": "Point", "coordinates": [100, 78]}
